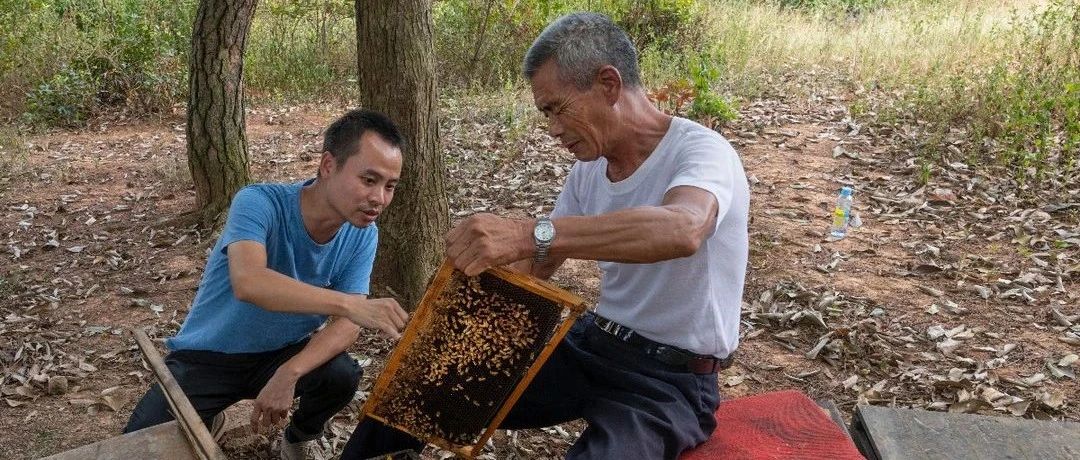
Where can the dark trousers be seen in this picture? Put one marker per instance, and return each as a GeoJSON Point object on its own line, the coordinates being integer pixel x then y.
{"type": "Point", "coordinates": [214, 381]}
{"type": "Point", "coordinates": [635, 407]}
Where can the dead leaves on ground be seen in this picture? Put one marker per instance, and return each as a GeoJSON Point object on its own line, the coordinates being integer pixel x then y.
{"type": "Point", "coordinates": [949, 355]}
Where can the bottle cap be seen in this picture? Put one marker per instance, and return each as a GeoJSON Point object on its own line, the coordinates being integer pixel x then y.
{"type": "Point", "coordinates": [846, 191]}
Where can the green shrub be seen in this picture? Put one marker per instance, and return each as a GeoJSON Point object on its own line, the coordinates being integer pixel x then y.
{"type": "Point", "coordinates": [670, 25]}
{"type": "Point", "coordinates": [1035, 95]}
{"type": "Point", "coordinates": [301, 50]}
{"type": "Point", "coordinates": [707, 104]}
{"type": "Point", "coordinates": [482, 42]}
{"type": "Point", "coordinates": [66, 99]}
{"type": "Point", "coordinates": [68, 59]}
{"type": "Point", "coordinates": [64, 61]}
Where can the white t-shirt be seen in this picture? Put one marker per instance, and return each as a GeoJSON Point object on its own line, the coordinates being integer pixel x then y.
{"type": "Point", "coordinates": [691, 302]}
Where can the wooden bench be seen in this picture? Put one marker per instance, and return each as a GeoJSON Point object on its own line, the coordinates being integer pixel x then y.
{"type": "Point", "coordinates": [165, 441]}
{"type": "Point", "coordinates": [887, 433]}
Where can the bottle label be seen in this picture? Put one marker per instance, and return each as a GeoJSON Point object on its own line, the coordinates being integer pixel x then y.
{"type": "Point", "coordinates": [839, 218]}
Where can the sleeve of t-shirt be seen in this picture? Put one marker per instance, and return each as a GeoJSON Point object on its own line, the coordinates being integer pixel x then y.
{"type": "Point", "coordinates": [355, 277]}
{"type": "Point", "coordinates": [568, 204]}
{"type": "Point", "coordinates": [706, 164]}
{"type": "Point", "coordinates": [250, 218]}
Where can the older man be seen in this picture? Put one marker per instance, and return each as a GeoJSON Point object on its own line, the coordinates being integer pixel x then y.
{"type": "Point", "coordinates": [662, 203]}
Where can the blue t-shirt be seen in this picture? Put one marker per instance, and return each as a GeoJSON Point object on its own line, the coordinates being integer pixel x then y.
{"type": "Point", "coordinates": [270, 214]}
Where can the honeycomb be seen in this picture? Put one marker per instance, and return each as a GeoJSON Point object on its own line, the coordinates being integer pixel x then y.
{"type": "Point", "coordinates": [477, 342]}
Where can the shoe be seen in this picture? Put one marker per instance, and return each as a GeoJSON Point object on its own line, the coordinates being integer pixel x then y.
{"type": "Point", "coordinates": [217, 426]}
{"type": "Point", "coordinates": [294, 450]}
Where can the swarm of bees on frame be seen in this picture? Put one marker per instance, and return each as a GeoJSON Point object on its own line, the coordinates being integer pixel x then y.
{"type": "Point", "coordinates": [483, 336]}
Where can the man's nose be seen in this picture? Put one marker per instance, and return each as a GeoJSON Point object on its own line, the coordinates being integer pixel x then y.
{"type": "Point", "coordinates": [555, 129]}
{"type": "Point", "coordinates": [378, 197]}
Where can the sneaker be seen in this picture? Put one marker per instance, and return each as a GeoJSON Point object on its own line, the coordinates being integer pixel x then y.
{"type": "Point", "coordinates": [294, 450]}
{"type": "Point", "coordinates": [217, 426]}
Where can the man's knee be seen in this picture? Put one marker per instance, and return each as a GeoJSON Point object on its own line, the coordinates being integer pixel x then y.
{"type": "Point", "coordinates": [340, 375]}
{"type": "Point", "coordinates": [151, 410]}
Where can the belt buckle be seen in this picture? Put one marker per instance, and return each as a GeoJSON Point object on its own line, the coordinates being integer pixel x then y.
{"type": "Point", "coordinates": [703, 366]}
{"type": "Point", "coordinates": [698, 365]}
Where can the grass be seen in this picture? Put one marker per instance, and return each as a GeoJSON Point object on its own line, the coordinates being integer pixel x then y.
{"type": "Point", "coordinates": [1000, 78]}
{"type": "Point", "coordinates": [756, 42]}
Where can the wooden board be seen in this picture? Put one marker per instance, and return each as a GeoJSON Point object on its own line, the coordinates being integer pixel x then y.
{"type": "Point", "coordinates": [901, 434]}
{"type": "Point", "coordinates": [159, 442]}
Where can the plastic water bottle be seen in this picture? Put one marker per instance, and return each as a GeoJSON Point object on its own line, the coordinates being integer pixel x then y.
{"type": "Point", "coordinates": [841, 214]}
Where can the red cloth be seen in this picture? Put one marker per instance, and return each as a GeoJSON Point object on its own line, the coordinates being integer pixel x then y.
{"type": "Point", "coordinates": [779, 425]}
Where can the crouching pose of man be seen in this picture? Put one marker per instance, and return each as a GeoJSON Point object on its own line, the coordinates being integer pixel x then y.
{"type": "Point", "coordinates": [285, 292]}
{"type": "Point", "coordinates": [662, 202]}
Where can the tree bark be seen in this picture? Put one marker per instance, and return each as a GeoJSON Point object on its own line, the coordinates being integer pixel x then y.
{"type": "Point", "coordinates": [396, 64]}
{"type": "Point", "coordinates": [217, 144]}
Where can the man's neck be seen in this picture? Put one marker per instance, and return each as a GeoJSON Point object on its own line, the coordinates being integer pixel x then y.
{"type": "Point", "coordinates": [642, 127]}
{"type": "Point", "coordinates": [319, 219]}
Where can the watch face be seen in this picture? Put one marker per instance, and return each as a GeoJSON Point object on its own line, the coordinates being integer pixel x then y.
{"type": "Point", "coordinates": [544, 232]}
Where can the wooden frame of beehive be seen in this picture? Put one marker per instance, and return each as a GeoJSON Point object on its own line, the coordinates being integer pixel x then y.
{"type": "Point", "coordinates": [571, 306]}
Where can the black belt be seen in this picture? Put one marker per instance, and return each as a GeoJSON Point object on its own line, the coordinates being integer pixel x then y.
{"type": "Point", "coordinates": [667, 354]}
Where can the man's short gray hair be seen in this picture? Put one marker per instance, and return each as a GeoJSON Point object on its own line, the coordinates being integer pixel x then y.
{"type": "Point", "coordinates": [582, 43]}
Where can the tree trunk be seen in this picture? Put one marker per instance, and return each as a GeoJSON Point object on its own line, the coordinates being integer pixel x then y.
{"type": "Point", "coordinates": [217, 145]}
{"type": "Point", "coordinates": [397, 77]}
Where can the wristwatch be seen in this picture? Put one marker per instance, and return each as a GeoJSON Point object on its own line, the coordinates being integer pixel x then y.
{"type": "Point", "coordinates": [543, 235]}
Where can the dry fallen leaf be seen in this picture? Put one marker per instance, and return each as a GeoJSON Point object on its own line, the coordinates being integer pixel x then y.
{"type": "Point", "coordinates": [57, 385]}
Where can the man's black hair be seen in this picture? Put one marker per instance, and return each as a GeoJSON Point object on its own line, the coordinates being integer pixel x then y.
{"type": "Point", "coordinates": [342, 138]}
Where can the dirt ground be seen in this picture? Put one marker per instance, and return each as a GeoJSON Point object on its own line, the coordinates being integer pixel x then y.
{"type": "Point", "coordinates": [950, 296]}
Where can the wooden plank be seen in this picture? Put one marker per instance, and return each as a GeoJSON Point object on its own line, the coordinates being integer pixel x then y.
{"type": "Point", "coordinates": [159, 442]}
{"type": "Point", "coordinates": [202, 443]}
{"type": "Point", "coordinates": [902, 434]}
{"type": "Point", "coordinates": [540, 287]}
{"type": "Point", "coordinates": [862, 439]}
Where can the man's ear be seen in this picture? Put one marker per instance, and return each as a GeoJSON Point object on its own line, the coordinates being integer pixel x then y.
{"type": "Point", "coordinates": [610, 82]}
{"type": "Point", "coordinates": [327, 164]}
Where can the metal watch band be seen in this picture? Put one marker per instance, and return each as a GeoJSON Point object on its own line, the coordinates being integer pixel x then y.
{"type": "Point", "coordinates": [542, 246]}
{"type": "Point", "coordinates": [541, 252]}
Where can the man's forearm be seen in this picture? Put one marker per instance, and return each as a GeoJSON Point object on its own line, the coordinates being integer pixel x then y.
{"type": "Point", "coordinates": [644, 234]}
{"type": "Point", "coordinates": [276, 292]}
{"type": "Point", "coordinates": [636, 235]}
{"type": "Point", "coordinates": [323, 346]}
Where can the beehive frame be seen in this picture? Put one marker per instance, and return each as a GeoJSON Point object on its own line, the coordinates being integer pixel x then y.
{"type": "Point", "coordinates": [443, 280]}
